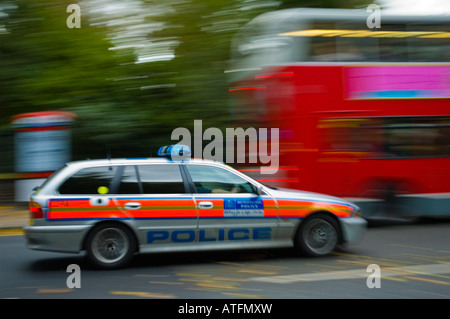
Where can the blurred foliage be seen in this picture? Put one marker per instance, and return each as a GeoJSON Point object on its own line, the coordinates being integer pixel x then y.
{"type": "Point", "coordinates": [123, 106]}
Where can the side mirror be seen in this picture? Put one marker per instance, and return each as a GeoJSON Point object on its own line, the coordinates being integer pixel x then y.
{"type": "Point", "coordinates": [258, 190]}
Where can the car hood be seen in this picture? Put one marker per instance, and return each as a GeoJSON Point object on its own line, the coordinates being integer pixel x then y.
{"type": "Point", "coordinates": [304, 195]}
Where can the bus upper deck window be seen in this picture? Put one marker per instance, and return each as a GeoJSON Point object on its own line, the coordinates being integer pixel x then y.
{"type": "Point", "coordinates": [430, 44]}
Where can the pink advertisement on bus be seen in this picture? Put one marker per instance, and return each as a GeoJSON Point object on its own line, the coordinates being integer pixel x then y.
{"type": "Point", "coordinates": [397, 82]}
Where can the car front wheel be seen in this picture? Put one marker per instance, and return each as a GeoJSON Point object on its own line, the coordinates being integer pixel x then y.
{"type": "Point", "coordinates": [318, 235]}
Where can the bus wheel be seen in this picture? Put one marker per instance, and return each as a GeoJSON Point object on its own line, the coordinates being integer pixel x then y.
{"type": "Point", "coordinates": [110, 246]}
{"type": "Point", "coordinates": [317, 235]}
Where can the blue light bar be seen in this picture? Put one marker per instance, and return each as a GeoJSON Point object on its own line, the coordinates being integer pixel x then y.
{"type": "Point", "coordinates": [177, 151]}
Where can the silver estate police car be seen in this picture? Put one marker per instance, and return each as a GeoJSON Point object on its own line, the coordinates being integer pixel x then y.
{"type": "Point", "coordinates": [113, 209]}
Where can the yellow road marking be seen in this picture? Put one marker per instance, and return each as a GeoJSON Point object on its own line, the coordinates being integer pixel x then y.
{"type": "Point", "coordinates": [241, 295]}
{"type": "Point", "coordinates": [230, 279]}
{"type": "Point", "coordinates": [6, 207]}
{"type": "Point", "coordinates": [393, 278]}
{"type": "Point", "coordinates": [214, 285]}
{"type": "Point", "coordinates": [257, 271]}
{"type": "Point", "coordinates": [142, 294]}
{"type": "Point", "coordinates": [267, 266]}
{"type": "Point", "coordinates": [54, 291]}
{"type": "Point", "coordinates": [229, 263]}
{"type": "Point", "coordinates": [11, 232]}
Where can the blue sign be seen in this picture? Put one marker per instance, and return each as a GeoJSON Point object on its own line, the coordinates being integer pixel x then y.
{"type": "Point", "coordinates": [243, 207]}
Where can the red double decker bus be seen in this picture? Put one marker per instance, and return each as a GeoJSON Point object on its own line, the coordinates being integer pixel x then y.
{"type": "Point", "coordinates": [362, 113]}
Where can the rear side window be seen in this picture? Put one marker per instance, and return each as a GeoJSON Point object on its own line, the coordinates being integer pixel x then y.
{"type": "Point", "coordinates": [161, 179]}
{"type": "Point", "coordinates": [93, 180]}
{"type": "Point", "coordinates": [129, 182]}
{"type": "Point", "coordinates": [130, 179]}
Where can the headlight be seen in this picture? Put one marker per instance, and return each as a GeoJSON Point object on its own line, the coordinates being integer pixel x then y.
{"type": "Point", "coordinates": [357, 212]}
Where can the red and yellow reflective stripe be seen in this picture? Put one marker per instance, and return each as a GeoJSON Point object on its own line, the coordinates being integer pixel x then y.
{"type": "Point", "coordinates": [81, 209]}
{"type": "Point", "coordinates": [184, 208]}
{"type": "Point", "coordinates": [161, 208]}
{"type": "Point", "coordinates": [301, 209]}
{"type": "Point", "coordinates": [150, 208]}
{"type": "Point", "coordinates": [270, 208]}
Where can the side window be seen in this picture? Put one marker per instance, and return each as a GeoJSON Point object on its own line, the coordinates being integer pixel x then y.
{"type": "Point", "coordinates": [211, 179]}
{"type": "Point", "coordinates": [93, 180]}
{"type": "Point", "coordinates": [129, 184]}
{"type": "Point", "coordinates": [417, 137]}
{"type": "Point", "coordinates": [351, 135]}
{"type": "Point", "coordinates": [388, 137]}
{"type": "Point", "coordinates": [161, 179]}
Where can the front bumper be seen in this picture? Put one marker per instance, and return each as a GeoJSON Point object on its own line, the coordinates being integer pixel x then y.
{"type": "Point", "coordinates": [56, 238]}
{"type": "Point", "coordinates": [353, 229]}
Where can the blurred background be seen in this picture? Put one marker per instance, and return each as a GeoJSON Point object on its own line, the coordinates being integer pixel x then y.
{"type": "Point", "coordinates": [134, 71]}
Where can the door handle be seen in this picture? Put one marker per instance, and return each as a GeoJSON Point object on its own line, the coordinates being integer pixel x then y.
{"type": "Point", "coordinates": [132, 205]}
{"type": "Point", "coordinates": [205, 205]}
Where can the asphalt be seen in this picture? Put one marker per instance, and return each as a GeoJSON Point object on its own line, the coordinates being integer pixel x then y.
{"type": "Point", "coordinates": [12, 218]}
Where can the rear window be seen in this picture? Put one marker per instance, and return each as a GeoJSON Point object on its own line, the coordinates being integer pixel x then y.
{"type": "Point", "coordinates": [89, 181]}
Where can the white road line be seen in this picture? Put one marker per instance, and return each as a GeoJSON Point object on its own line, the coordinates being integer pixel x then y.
{"type": "Point", "coordinates": [430, 269]}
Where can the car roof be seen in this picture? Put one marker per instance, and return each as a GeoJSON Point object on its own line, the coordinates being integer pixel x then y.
{"type": "Point", "coordinates": [138, 161]}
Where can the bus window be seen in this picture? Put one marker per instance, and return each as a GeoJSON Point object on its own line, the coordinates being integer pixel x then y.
{"type": "Point", "coordinates": [351, 135]}
{"type": "Point", "coordinates": [392, 48]}
{"type": "Point", "coordinates": [351, 47]}
{"type": "Point", "coordinates": [323, 48]}
{"type": "Point", "coordinates": [347, 42]}
{"type": "Point", "coordinates": [329, 47]}
{"type": "Point", "coordinates": [417, 137]}
{"type": "Point", "coordinates": [408, 137]}
{"type": "Point", "coordinates": [432, 47]}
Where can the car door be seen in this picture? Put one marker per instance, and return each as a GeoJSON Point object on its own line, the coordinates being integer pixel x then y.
{"type": "Point", "coordinates": [230, 213]}
{"type": "Point", "coordinates": [155, 197]}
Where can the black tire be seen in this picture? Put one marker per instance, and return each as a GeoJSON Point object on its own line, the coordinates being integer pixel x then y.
{"type": "Point", "coordinates": [318, 235]}
{"type": "Point", "coordinates": [110, 246]}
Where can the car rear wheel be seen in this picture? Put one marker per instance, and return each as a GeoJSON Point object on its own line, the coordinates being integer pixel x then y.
{"type": "Point", "coordinates": [318, 235]}
{"type": "Point", "coordinates": [110, 246]}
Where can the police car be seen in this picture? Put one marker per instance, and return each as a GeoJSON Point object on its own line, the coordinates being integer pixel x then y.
{"type": "Point", "coordinates": [115, 208]}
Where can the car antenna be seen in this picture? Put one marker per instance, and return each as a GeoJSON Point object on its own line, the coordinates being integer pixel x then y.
{"type": "Point", "coordinates": [108, 155]}
{"type": "Point", "coordinates": [108, 148]}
